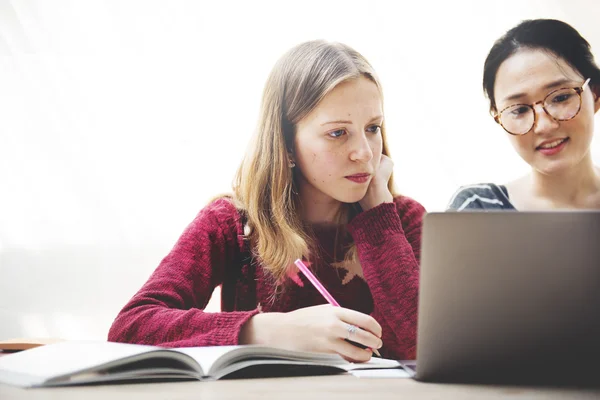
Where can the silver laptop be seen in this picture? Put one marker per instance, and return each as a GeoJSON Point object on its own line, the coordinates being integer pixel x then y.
{"type": "Point", "coordinates": [510, 297]}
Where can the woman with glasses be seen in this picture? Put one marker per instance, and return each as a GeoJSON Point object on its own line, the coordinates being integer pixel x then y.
{"type": "Point", "coordinates": [544, 90]}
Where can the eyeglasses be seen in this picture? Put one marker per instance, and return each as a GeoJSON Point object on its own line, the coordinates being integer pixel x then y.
{"type": "Point", "coordinates": [561, 104]}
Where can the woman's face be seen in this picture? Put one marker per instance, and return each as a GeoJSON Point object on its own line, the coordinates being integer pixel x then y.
{"type": "Point", "coordinates": [551, 146]}
{"type": "Point", "coordinates": [338, 145]}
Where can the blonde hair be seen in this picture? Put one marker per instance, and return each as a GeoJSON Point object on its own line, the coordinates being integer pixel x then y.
{"type": "Point", "coordinates": [264, 187]}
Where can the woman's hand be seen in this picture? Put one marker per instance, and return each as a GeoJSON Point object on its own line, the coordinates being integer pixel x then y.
{"type": "Point", "coordinates": [378, 191]}
{"type": "Point", "coordinates": [321, 329]}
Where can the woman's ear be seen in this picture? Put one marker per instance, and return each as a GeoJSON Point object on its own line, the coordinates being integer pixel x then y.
{"type": "Point", "coordinates": [596, 94]}
{"type": "Point", "coordinates": [291, 161]}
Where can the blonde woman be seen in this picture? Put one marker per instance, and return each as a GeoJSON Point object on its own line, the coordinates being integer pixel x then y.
{"type": "Point", "coordinates": [316, 184]}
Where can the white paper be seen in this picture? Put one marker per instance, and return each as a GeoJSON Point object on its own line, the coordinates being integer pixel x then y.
{"type": "Point", "coordinates": [380, 373]}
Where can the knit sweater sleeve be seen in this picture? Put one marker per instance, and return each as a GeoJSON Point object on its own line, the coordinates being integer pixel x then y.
{"type": "Point", "coordinates": [168, 309]}
{"type": "Point", "coordinates": [388, 240]}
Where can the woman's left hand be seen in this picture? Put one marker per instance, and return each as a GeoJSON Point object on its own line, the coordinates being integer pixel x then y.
{"type": "Point", "coordinates": [378, 191]}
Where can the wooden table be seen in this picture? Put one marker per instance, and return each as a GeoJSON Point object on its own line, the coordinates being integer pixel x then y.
{"type": "Point", "coordinates": [343, 387]}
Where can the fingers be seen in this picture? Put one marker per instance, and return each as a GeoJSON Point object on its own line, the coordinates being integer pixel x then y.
{"type": "Point", "coordinates": [387, 160]}
{"type": "Point", "coordinates": [332, 329]}
{"type": "Point", "coordinates": [363, 321]}
{"type": "Point", "coordinates": [360, 336]}
{"type": "Point", "coordinates": [349, 351]}
{"type": "Point", "coordinates": [386, 164]}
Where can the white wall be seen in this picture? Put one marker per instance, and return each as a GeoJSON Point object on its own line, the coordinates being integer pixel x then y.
{"type": "Point", "coordinates": [120, 119]}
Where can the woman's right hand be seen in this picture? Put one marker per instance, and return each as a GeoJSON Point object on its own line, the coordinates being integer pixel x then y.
{"type": "Point", "coordinates": [321, 329]}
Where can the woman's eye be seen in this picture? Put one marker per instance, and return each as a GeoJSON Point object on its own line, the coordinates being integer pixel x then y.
{"type": "Point", "coordinates": [374, 129]}
{"type": "Point", "coordinates": [560, 98]}
{"type": "Point", "coordinates": [519, 110]}
{"type": "Point", "coordinates": [337, 133]}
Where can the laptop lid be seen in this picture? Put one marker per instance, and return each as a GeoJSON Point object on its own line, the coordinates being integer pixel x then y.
{"type": "Point", "coordinates": [509, 297]}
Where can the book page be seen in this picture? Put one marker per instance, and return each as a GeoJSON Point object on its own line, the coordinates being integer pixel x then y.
{"type": "Point", "coordinates": [37, 365]}
{"type": "Point", "coordinates": [207, 356]}
{"type": "Point", "coordinates": [373, 363]}
{"type": "Point", "coordinates": [215, 359]}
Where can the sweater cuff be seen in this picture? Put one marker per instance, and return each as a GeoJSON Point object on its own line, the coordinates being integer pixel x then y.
{"type": "Point", "coordinates": [375, 225]}
{"type": "Point", "coordinates": [225, 328]}
{"type": "Point", "coordinates": [229, 325]}
{"type": "Point", "coordinates": [240, 324]}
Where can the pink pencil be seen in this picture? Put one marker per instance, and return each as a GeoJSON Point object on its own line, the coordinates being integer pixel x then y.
{"type": "Point", "coordinates": [302, 267]}
{"type": "Point", "coordinates": [309, 275]}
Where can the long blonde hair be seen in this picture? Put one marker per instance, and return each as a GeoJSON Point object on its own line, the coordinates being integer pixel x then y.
{"type": "Point", "coordinates": [264, 187]}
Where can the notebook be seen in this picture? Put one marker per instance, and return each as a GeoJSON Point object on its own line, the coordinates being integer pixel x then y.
{"type": "Point", "coordinates": [79, 362]}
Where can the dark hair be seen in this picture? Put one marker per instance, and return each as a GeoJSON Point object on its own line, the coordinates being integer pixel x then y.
{"type": "Point", "coordinates": [552, 35]}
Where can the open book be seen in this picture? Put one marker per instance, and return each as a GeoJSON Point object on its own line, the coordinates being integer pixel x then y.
{"type": "Point", "coordinates": [74, 363]}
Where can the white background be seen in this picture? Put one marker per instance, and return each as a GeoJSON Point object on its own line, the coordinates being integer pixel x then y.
{"type": "Point", "coordinates": [119, 120]}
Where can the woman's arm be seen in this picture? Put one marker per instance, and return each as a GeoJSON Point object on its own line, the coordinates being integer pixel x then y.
{"type": "Point", "coordinates": [388, 240]}
{"type": "Point", "coordinates": [168, 309]}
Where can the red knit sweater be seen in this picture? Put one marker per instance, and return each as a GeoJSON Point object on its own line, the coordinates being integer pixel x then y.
{"type": "Point", "coordinates": [168, 309]}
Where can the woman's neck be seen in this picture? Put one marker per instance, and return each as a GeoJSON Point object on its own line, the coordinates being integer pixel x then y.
{"type": "Point", "coordinates": [318, 208]}
{"type": "Point", "coordinates": [315, 212]}
{"type": "Point", "coordinates": [578, 187]}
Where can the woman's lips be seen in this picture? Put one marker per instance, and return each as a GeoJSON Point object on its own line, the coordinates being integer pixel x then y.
{"type": "Point", "coordinates": [358, 178]}
{"type": "Point", "coordinates": [557, 146]}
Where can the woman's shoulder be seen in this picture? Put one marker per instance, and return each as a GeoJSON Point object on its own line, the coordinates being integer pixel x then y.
{"type": "Point", "coordinates": [220, 214]}
{"type": "Point", "coordinates": [222, 207]}
{"type": "Point", "coordinates": [480, 196]}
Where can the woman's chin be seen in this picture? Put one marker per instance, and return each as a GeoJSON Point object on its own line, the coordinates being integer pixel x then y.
{"type": "Point", "coordinates": [555, 167]}
{"type": "Point", "coordinates": [351, 198]}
